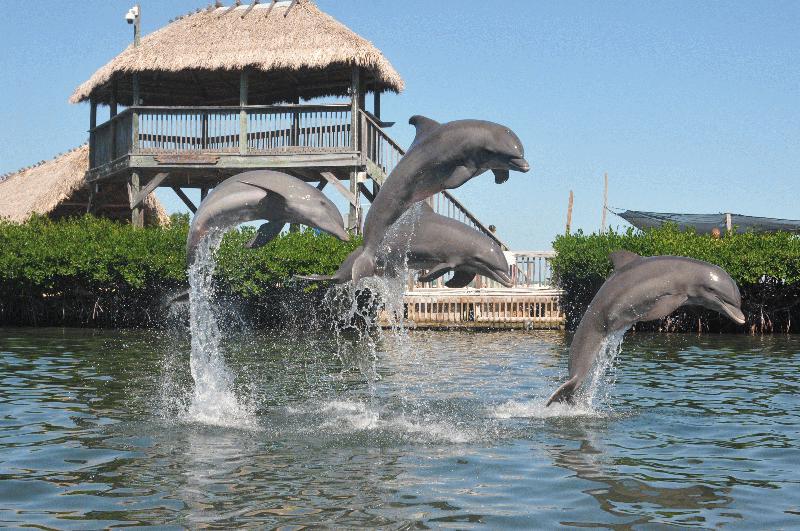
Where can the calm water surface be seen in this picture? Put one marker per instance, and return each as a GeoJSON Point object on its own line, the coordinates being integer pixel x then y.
{"type": "Point", "coordinates": [435, 430]}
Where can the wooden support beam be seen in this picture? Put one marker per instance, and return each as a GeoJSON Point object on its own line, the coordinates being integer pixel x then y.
{"type": "Point", "coordinates": [269, 9]}
{"type": "Point", "coordinates": [321, 184]}
{"type": "Point", "coordinates": [355, 95]}
{"type": "Point", "coordinates": [147, 189]}
{"type": "Point", "coordinates": [354, 217]}
{"type": "Point", "coordinates": [137, 213]}
{"type": "Point", "coordinates": [243, 79]}
{"type": "Point", "coordinates": [185, 199]}
{"type": "Point", "coordinates": [203, 193]}
{"type": "Point", "coordinates": [286, 13]}
{"type": "Point", "coordinates": [376, 103]}
{"type": "Point", "coordinates": [249, 8]}
{"type": "Point", "coordinates": [366, 191]}
{"type": "Point", "coordinates": [331, 178]}
{"type": "Point", "coordinates": [92, 126]}
{"type": "Point", "coordinates": [728, 223]}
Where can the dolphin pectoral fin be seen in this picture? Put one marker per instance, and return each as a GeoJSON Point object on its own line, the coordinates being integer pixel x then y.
{"type": "Point", "coordinates": [500, 176]}
{"type": "Point", "coordinates": [664, 306]}
{"type": "Point", "coordinates": [363, 266]}
{"type": "Point", "coordinates": [423, 126]}
{"type": "Point", "coordinates": [564, 393]}
{"type": "Point", "coordinates": [622, 258]}
{"type": "Point", "coordinates": [266, 233]}
{"type": "Point", "coordinates": [461, 278]}
{"type": "Point", "coordinates": [460, 175]}
{"type": "Point", "coordinates": [436, 272]}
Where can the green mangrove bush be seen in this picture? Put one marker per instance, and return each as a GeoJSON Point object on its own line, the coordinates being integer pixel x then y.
{"type": "Point", "coordinates": [95, 272]}
{"type": "Point", "coordinates": [766, 267]}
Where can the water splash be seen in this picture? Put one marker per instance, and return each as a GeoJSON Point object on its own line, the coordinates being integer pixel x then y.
{"type": "Point", "coordinates": [596, 392]}
{"type": "Point", "coordinates": [214, 400]}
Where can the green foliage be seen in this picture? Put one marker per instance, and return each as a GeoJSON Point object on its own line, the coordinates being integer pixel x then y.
{"type": "Point", "coordinates": [766, 266]}
{"type": "Point", "coordinates": [89, 265]}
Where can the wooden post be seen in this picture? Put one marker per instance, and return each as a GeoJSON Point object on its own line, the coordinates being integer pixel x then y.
{"type": "Point", "coordinates": [112, 112]}
{"type": "Point", "coordinates": [353, 219]}
{"type": "Point", "coordinates": [605, 203]}
{"type": "Point", "coordinates": [569, 213]}
{"type": "Point", "coordinates": [355, 96]}
{"type": "Point", "coordinates": [728, 223]}
{"type": "Point", "coordinates": [135, 114]}
{"type": "Point", "coordinates": [243, 112]}
{"type": "Point", "coordinates": [92, 139]}
{"type": "Point", "coordinates": [137, 25]}
{"type": "Point", "coordinates": [137, 212]}
{"type": "Point", "coordinates": [376, 103]}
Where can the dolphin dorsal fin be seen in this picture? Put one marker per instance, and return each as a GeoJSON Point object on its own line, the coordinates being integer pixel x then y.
{"type": "Point", "coordinates": [622, 258]}
{"type": "Point", "coordinates": [424, 126]}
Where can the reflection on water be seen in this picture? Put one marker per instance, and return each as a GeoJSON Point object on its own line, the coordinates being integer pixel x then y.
{"type": "Point", "coordinates": [697, 431]}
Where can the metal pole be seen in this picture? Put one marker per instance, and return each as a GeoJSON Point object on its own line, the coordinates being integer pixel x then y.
{"type": "Point", "coordinates": [605, 203]}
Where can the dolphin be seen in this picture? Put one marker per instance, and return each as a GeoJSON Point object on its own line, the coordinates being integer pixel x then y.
{"type": "Point", "coordinates": [645, 289]}
{"type": "Point", "coordinates": [437, 244]}
{"type": "Point", "coordinates": [441, 157]}
{"type": "Point", "coordinates": [264, 194]}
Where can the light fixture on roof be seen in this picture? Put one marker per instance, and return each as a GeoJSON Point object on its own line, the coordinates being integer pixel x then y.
{"type": "Point", "coordinates": [131, 15]}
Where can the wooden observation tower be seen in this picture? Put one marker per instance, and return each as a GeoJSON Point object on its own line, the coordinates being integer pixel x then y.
{"type": "Point", "coordinates": [228, 89]}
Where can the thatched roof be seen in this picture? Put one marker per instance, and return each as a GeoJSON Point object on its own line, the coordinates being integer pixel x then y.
{"type": "Point", "coordinates": [57, 188]}
{"type": "Point", "coordinates": [197, 59]}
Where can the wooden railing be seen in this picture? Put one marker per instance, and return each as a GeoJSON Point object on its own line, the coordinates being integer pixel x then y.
{"type": "Point", "coordinates": [261, 128]}
{"type": "Point", "coordinates": [495, 310]}
{"type": "Point", "coordinates": [531, 269]}
{"type": "Point", "coordinates": [381, 155]}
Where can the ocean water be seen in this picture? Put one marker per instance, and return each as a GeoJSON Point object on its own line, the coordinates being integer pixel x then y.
{"type": "Point", "coordinates": [421, 429]}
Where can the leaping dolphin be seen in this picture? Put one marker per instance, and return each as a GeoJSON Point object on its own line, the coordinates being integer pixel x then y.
{"type": "Point", "coordinates": [442, 156]}
{"type": "Point", "coordinates": [264, 194]}
{"type": "Point", "coordinates": [436, 243]}
{"type": "Point", "coordinates": [645, 289]}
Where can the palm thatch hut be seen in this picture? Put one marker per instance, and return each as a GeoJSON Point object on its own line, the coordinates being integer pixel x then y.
{"type": "Point", "coordinates": [56, 188]}
{"type": "Point", "coordinates": [219, 91]}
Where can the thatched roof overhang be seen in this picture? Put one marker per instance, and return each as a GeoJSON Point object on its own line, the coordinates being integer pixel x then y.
{"type": "Point", "coordinates": [198, 59]}
{"type": "Point", "coordinates": [57, 188]}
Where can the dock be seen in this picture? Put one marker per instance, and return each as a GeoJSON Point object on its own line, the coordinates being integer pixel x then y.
{"type": "Point", "coordinates": [532, 303]}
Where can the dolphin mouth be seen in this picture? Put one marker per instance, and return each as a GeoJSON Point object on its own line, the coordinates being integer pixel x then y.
{"type": "Point", "coordinates": [503, 278]}
{"type": "Point", "coordinates": [519, 164]}
{"type": "Point", "coordinates": [335, 229]}
{"type": "Point", "coordinates": [733, 312]}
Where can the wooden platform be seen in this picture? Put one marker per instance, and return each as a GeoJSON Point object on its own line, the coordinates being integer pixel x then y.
{"type": "Point", "coordinates": [492, 308]}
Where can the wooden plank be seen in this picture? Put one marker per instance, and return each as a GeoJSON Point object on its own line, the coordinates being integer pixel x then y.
{"type": "Point", "coordinates": [331, 178]}
{"type": "Point", "coordinates": [187, 158]}
{"type": "Point", "coordinates": [185, 199]}
{"type": "Point", "coordinates": [148, 189]}
{"type": "Point", "coordinates": [366, 191]}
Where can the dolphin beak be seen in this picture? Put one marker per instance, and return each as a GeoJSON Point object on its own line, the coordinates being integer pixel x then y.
{"type": "Point", "coordinates": [734, 313]}
{"type": "Point", "coordinates": [519, 164]}
{"type": "Point", "coordinates": [340, 233]}
{"type": "Point", "coordinates": [503, 278]}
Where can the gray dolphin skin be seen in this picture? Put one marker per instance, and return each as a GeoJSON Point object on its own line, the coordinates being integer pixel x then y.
{"type": "Point", "coordinates": [442, 156]}
{"type": "Point", "coordinates": [264, 194]}
{"type": "Point", "coordinates": [645, 289]}
{"type": "Point", "coordinates": [436, 243]}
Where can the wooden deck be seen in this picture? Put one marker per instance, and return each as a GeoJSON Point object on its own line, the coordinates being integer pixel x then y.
{"type": "Point", "coordinates": [532, 303]}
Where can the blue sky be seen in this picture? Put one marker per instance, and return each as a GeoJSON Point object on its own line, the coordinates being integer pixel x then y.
{"type": "Point", "coordinates": [689, 107]}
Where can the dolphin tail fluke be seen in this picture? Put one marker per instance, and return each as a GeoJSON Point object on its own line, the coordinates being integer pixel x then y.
{"type": "Point", "coordinates": [565, 392]}
{"type": "Point", "coordinates": [364, 266]}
